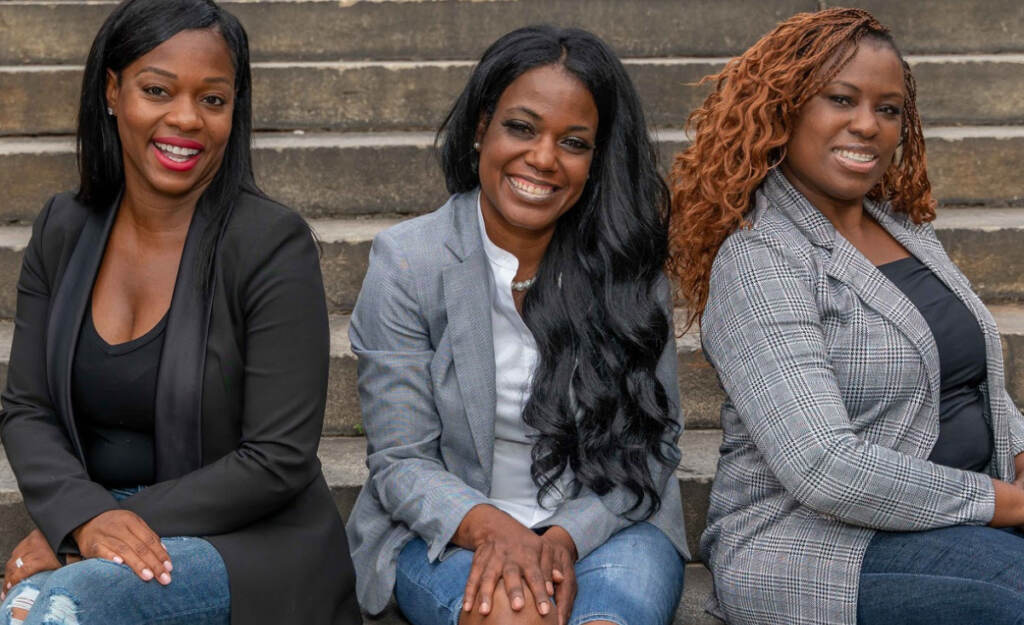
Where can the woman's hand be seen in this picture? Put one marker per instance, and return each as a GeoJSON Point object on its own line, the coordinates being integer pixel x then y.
{"type": "Point", "coordinates": [563, 571]}
{"type": "Point", "coordinates": [506, 550]}
{"type": "Point", "coordinates": [123, 537]}
{"type": "Point", "coordinates": [35, 556]}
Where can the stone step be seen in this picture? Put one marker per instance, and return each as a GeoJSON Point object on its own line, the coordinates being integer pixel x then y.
{"type": "Point", "coordinates": [61, 31]}
{"type": "Point", "coordinates": [344, 466]}
{"type": "Point", "coordinates": [341, 174]}
{"type": "Point", "coordinates": [699, 390]}
{"type": "Point", "coordinates": [988, 244]}
{"type": "Point", "coordinates": [404, 95]}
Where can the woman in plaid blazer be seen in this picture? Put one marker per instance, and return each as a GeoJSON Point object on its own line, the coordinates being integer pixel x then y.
{"type": "Point", "coordinates": [802, 194]}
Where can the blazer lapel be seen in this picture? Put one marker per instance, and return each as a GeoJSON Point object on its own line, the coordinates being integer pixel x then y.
{"type": "Point", "coordinates": [68, 310]}
{"type": "Point", "coordinates": [469, 324]}
{"type": "Point", "coordinates": [935, 258]}
{"type": "Point", "coordinates": [179, 386]}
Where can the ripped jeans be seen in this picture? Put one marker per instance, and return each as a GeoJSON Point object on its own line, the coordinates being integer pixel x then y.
{"type": "Point", "coordinates": [101, 592]}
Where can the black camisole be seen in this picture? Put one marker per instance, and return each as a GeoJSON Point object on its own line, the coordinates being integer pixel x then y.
{"type": "Point", "coordinates": [113, 388]}
{"type": "Point", "coordinates": [965, 438]}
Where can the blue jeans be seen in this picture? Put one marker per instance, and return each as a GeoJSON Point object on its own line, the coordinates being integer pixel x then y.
{"type": "Point", "coordinates": [950, 576]}
{"type": "Point", "coordinates": [101, 592]}
{"type": "Point", "coordinates": [635, 578]}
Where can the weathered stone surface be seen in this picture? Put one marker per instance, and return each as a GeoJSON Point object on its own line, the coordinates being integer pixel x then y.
{"type": "Point", "coordinates": [334, 175]}
{"type": "Point", "coordinates": [988, 246]}
{"type": "Point", "coordinates": [363, 96]}
{"type": "Point", "coordinates": [950, 25]}
{"type": "Point", "coordinates": [53, 32]}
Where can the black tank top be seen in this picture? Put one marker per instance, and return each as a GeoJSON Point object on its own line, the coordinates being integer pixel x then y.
{"type": "Point", "coordinates": [965, 438]}
{"type": "Point", "coordinates": [113, 388]}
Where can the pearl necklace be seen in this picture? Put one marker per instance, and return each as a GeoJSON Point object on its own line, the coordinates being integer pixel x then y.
{"type": "Point", "coordinates": [525, 284]}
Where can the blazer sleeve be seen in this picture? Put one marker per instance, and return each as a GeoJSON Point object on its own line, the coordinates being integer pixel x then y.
{"type": "Point", "coordinates": [763, 333]}
{"type": "Point", "coordinates": [591, 519]}
{"type": "Point", "coordinates": [56, 489]}
{"type": "Point", "coordinates": [390, 337]}
{"type": "Point", "coordinates": [286, 351]}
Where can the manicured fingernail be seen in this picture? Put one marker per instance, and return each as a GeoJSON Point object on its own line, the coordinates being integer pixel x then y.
{"type": "Point", "coordinates": [168, 566]}
{"type": "Point", "coordinates": [517, 603]}
{"type": "Point", "coordinates": [550, 587]}
{"type": "Point", "coordinates": [466, 606]}
{"type": "Point", "coordinates": [544, 608]}
{"type": "Point", "coordinates": [484, 607]}
{"type": "Point", "coordinates": [118, 560]}
{"type": "Point", "coordinates": [147, 574]}
{"type": "Point", "coordinates": [165, 578]}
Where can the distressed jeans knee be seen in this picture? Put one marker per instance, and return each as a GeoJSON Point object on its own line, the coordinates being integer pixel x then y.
{"type": "Point", "coordinates": [59, 608]}
{"type": "Point", "coordinates": [23, 597]}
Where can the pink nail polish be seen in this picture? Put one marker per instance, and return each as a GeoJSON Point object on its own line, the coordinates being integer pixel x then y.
{"type": "Point", "coordinates": [118, 560]}
{"type": "Point", "coordinates": [165, 578]}
{"type": "Point", "coordinates": [168, 566]}
{"type": "Point", "coordinates": [147, 574]}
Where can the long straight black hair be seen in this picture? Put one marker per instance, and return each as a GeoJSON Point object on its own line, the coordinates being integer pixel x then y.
{"type": "Point", "coordinates": [600, 310]}
{"type": "Point", "coordinates": [134, 28]}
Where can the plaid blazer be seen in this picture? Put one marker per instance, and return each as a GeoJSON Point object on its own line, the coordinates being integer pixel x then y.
{"type": "Point", "coordinates": [832, 383]}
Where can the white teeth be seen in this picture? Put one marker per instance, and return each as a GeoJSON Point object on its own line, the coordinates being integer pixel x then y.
{"type": "Point", "coordinates": [173, 150]}
{"type": "Point", "coordinates": [527, 188]}
{"type": "Point", "coordinates": [856, 156]}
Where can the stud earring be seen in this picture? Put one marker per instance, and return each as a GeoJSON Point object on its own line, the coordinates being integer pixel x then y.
{"type": "Point", "coordinates": [110, 111]}
{"type": "Point", "coordinates": [476, 146]}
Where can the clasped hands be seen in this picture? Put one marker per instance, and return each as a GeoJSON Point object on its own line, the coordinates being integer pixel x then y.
{"type": "Point", "coordinates": [116, 535]}
{"type": "Point", "coordinates": [506, 551]}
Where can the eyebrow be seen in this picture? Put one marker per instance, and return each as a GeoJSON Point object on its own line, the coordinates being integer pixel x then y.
{"type": "Point", "coordinates": [173, 76]}
{"type": "Point", "coordinates": [536, 115]}
{"type": "Point", "coordinates": [891, 94]}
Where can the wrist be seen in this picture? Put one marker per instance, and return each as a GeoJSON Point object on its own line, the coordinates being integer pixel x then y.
{"type": "Point", "coordinates": [562, 536]}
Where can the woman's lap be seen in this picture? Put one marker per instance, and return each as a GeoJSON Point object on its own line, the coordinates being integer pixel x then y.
{"type": "Point", "coordinates": [101, 592]}
{"type": "Point", "coordinates": [635, 578]}
{"type": "Point", "coordinates": [954, 575]}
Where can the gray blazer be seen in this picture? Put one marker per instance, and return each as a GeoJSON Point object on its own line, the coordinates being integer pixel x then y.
{"type": "Point", "coordinates": [422, 332]}
{"type": "Point", "coordinates": [832, 378]}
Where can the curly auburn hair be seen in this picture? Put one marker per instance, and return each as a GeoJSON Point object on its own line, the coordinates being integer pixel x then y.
{"type": "Point", "coordinates": [741, 132]}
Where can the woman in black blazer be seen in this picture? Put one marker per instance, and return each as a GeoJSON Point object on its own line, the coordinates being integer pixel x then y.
{"type": "Point", "coordinates": [169, 366]}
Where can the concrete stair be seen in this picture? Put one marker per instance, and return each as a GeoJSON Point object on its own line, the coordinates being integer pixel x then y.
{"type": "Point", "coordinates": [361, 96]}
{"type": "Point", "coordinates": [328, 174]}
{"type": "Point", "coordinates": [349, 94]}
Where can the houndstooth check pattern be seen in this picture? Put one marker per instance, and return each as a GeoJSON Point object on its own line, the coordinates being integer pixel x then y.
{"type": "Point", "coordinates": [832, 383]}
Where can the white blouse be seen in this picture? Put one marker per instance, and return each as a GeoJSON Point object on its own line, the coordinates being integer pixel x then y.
{"type": "Point", "coordinates": [515, 359]}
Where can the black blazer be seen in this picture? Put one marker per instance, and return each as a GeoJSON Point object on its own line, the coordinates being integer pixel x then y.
{"type": "Point", "coordinates": [240, 402]}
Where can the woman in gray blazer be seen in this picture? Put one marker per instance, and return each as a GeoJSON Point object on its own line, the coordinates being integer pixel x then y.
{"type": "Point", "coordinates": [868, 435]}
{"type": "Point", "coordinates": [517, 369]}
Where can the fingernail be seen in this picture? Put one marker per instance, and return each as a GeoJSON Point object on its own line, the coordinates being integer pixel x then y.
{"type": "Point", "coordinates": [147, 574]}
{"type": "Point", "coordinates": [517, 603]}
{"type": "Point", "coordinates": [550, 587]}
{"type": "Point", "coordinates": [165, 578]}
{"type": "Point", "coordinates": [484, 607]}
{"type": "Point", "coordinates": [544, 607]}
{"type": "Point", "coordinates": [118, 560]}
{"type": "Point", "coordinates": [168, 566]}
{"type": "Point", "coordinates": [466, 606]}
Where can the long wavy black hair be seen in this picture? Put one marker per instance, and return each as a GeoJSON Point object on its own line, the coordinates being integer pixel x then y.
{"type": "Point", "coordinates": [600, 309]}
{"type": "Point", "coordinates": [134, 28]}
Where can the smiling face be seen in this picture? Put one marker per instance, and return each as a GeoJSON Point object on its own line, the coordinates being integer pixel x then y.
{"type": "Point", "coordinates": [846, 135]}
{"type": "Point", "coordinates": [535, 152]}
{"type": "Point", "coordinates": [174, 111]}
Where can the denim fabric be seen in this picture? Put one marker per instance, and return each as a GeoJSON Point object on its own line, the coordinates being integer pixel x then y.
{"type": "Point", "coordinates": [950, 576]}
{"type": "Point", "coordinates": [634, 578]}
{"type": "Point", "coordinates": [101, 592]}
